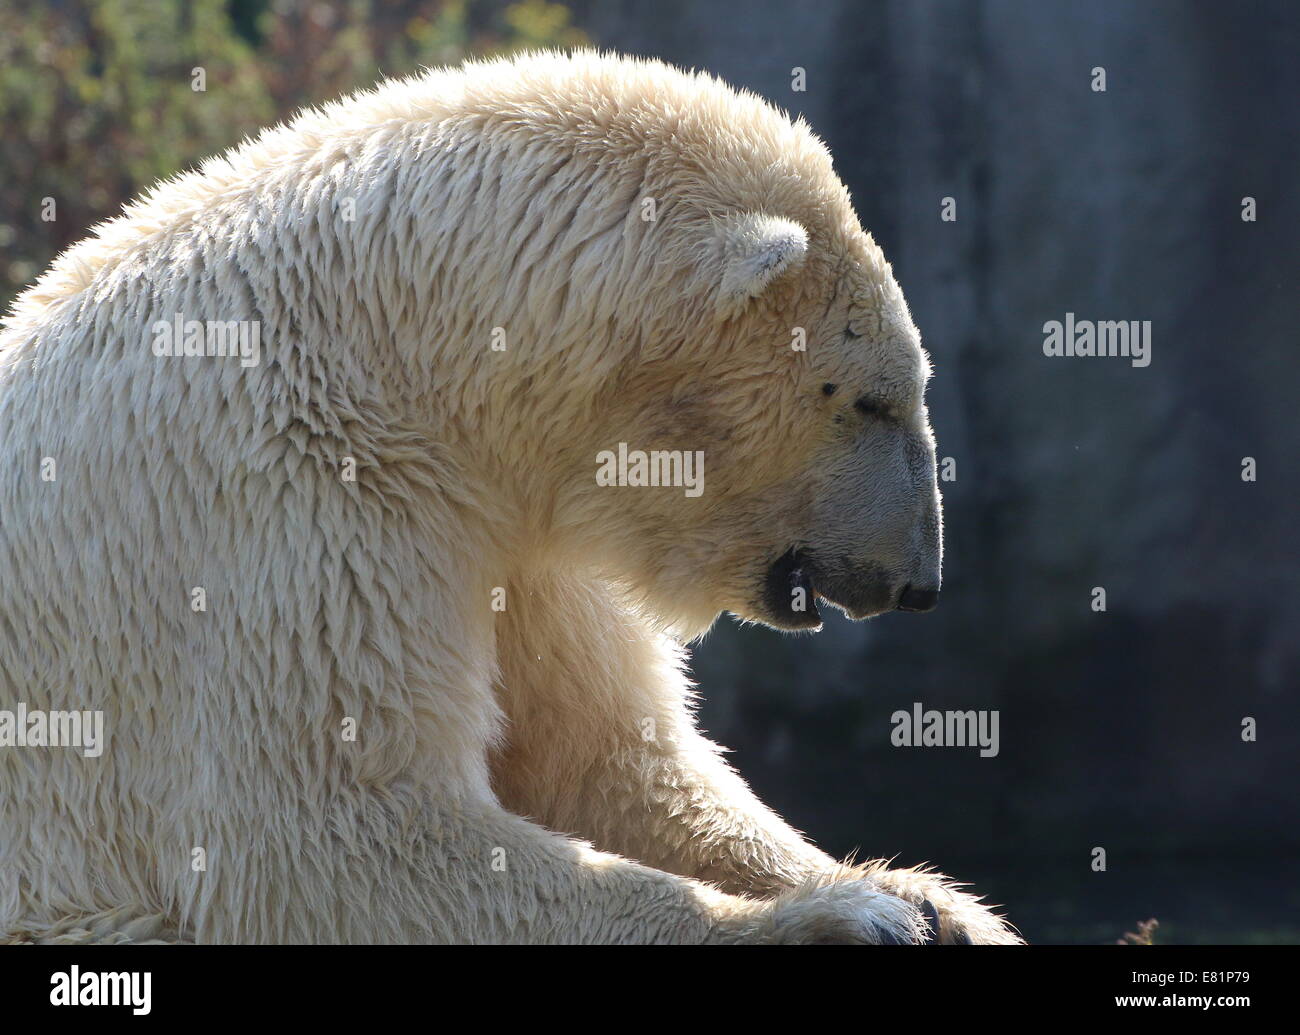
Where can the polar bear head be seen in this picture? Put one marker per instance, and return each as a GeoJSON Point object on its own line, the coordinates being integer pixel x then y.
{"type": "Point", "coordinates": [793, 449]}
{"type": "Point", "coordinates": [707, 328]}
{"type": "Point", "coordinates": [785, 379]}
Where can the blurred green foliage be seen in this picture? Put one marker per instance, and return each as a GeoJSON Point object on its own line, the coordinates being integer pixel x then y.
{"type": "Point", "coordinates": [100, 98]}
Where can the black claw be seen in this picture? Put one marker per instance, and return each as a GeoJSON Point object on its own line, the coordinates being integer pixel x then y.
{"type": "Point", "coordinates": [932, 915]}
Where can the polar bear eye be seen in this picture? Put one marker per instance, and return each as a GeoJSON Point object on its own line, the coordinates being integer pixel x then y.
{"type": "Point", "coordinates": [870, 407]}
{"type": "Point", "coordinates": [828, 388]}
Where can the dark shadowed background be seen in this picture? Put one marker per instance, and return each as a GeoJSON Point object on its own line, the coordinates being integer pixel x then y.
{"type": "Point", "coordinates": [1119, 729]}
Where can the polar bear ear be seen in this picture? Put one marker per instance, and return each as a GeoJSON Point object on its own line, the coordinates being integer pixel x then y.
{"type": "Point", "coordinates": [756, 249]}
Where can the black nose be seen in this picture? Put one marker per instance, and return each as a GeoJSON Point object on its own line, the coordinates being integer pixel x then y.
{"type": "Point", "coordinates": [913, 599]}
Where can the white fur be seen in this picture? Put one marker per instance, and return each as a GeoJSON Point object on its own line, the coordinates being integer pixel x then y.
{"type": "Point", "coordinates": [501, 195]}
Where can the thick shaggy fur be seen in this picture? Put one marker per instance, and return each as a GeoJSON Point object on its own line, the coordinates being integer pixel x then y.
{"type": "Point", "coordinates": [493, 748]}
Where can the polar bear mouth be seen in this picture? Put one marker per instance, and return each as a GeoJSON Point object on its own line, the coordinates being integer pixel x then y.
{"type": "Point", "coordinates": [795, 583]}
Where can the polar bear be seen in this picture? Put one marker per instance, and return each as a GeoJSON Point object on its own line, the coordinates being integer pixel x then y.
{"type": "Point", "coordinates": [302, 498]}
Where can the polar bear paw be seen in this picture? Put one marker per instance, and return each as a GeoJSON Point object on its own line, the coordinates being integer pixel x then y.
{"type": "Point", "coordinates": [953, 916]}
{"type": "Point", "coordinates": [829, 911]}
{"type": "Point", "coordinates": [871, 905]}
{"type": "Point", "coordinates": [841, 912]}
